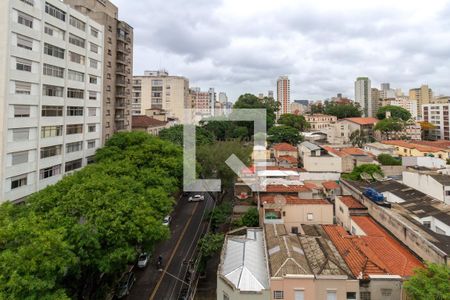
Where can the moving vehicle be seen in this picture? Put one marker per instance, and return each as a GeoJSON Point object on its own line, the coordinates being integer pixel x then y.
{"type": "Point", "coordinates": [196, 198]}
{"type": "Point", "coordinates": [166, 221]}
{"type": "Point", "coordinates": [125, 285]}
{"type": "Point", "coordinates": [143, 260]}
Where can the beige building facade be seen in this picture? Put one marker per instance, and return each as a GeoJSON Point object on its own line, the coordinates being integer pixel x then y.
{"type": "Point", "coordinates": [320, 121]}
{"type": "Point", "coordinates": [423, 95]}
{"type": "Point", "coordinates": [159, 90]}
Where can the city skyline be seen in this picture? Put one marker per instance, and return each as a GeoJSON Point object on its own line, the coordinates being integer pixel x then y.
{"type": "Point", "coordinates": [225, 44]}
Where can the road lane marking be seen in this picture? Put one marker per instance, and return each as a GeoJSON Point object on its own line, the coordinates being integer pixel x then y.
{"type": "Point", "coordinates": [174, 251]}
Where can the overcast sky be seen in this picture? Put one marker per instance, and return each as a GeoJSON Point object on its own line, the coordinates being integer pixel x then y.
{"type": "Point", "coordinates": [240, 46]}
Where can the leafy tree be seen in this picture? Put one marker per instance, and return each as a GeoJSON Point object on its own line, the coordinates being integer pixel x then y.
{"type": "Point", "coordinates": [224, 130]}
{"type": "Point", "coordinates": [364, 168]}
{"type": "Point", "coordinates": [316, 108]}
{"type": "Point", "coordinates": [296, 121]}
{"type": "Point", "coordinates": [220, 214]}
{"type": "Point", "coordinates": [251, 101]}
{"type": "Point", "coordinates": [390, 126]}
{"type": "Point", "coordinates": [343, 110]}
{"type": "Point", "coordinates": [212, 159]}
{"type": "Point", "coordinates": [397, 112]}
{"type": "Point", "coordinates": [175, 135]}
{"type": "Point", "coordinates": [283, 133]}
{"type": "Point", "coordinates": [388, 160]}
{"type": "Point", "coordinates": [209, 245]}
{"type": "Point", "coordinates": [432, 282]}
{"type": "Point", "coordinates": [359, 138]}
{"type": "Point", "coordinates": [251, 218]}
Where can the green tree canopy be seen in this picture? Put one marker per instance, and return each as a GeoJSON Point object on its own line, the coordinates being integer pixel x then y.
{"type": "Point", "coordinates": [388, 160]}
{"type": "Point", "coordinates": [296, 121]}
{"type": "Point", "coordinates": [175, 135]}
{"type": "Point", "coordinates": [286, 134]}
{"type": "Point", "coordinates": [343, 110]}
{"type": "Point", "coordinates": [432, 282]}
{"type": "Point", "coordinates": [390, 126]}
{"type": "Point", "coordinates": [397, 112]}
{"type": "Point", "coordinates": [251, 101]}
{"type": "Point", "coordinates": [359, 138]}
{"type": "Point", "coordinates": [364, 168]}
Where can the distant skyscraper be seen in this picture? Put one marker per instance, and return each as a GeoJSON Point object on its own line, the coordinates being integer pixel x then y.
{"type": "Point", "coordinates": [284, 94]}
{"type": "Point", "coordinates": [363, 95]}
{"type": "Point", "coordinates": [385, 86]}
{"type": "Point", "coordinates": [223, 98]}
{"type": "Point", "coordinates": [270, 94]}
{"type": "Point", "coordinates": [422, 95]}
{"type": "Point", "coordinates": [212, 100]}
{"type": "Point", "coordinates": [375, 96]}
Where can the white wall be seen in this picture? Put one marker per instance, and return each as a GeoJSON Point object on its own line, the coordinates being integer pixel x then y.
{"type": "Point", "coordinates": [424, 183]}
{"type": "Point", "coordinates": [319, 176]}
{"type": "Point", "coordinates": [428, 162]}
{"type": "Point", "coordinates": [322, 164]}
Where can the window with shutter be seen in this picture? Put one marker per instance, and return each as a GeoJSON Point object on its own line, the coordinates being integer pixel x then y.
{"type": "Point", "coordinates": [24, 42]}
{"type": "Point", "coordinates": [21, 111]}
{"type": "Point", "coordinates": [23, 88]}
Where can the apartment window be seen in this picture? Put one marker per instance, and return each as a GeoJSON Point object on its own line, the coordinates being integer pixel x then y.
{"type": "Point", "coordinates": [52, 111]}
{"type": "Point", "coordinates": [25, 19]}
{"type": "Point", "coordinates": [23, 88]}
{"type": "Point", "coordinates": [76, 76]}
{"type": "Point", "coordinates": [310, 217]}
{"type": "Point", "coordinates": [278, 295]}
{"type": "Point", "coordinates": [73, 165]}
{"type": "Point", "coordinates": [53, 91]}
{"type": "Point", "coordinates": [21, 111]}
{"type": "Point", "coordinates": [92, 128]}
{"type": "Point", "coordinates": [18, 181]}
{"type": "Point", "coordinates": [74, 129]}
{"type": "Point", "coordinates": [21, 134]}
{"type": "Point", "coordinates": [53, 71]}
{"type": "Point", "coordinates": [299, 295]}
{"type": "Point", "coordinates": [19, 157]}
{"type": "Point", "coordinates": [92, 111]}
{"type": "Point", "coordinates": [76, 58]}
{"type": "Point", "coordinates": [109, 52]}
{"type": "Point", "coordinates": [51, 151]}
{"type": "Point", "coordinates": [74, 147]}
{"type": "Point", "coordinates": [94, 48]}
{"type": "Point", "coordinates": [48, 30]}
{"type": "Point", "coordinates": [93, 79]}
{"type": "Point", "coordinates": [49, 172]}
{"type": "Point", "coordinates": [331, 295]}
{"type": "Point", "coordinates": [364, 295]}
{"type": "Point", "coordinates": [29, 2]}
{"type": "Point", "coordinates": [24, 42]}
{"type": "Point", "coordinates": [92, 95]}
{"type": "Point", "coordinates": [74, 111]}
{"type": "Point", "coordinates": [51, 131]}
{"type": "Point", "coordinates": [75, 93]}
{"type": "Point", "coordinates": [351, 295]}
{"type": "Point", "coordinates": [54, 32]}
{"type": "Point", "coordinates": [23, 64]}
{"type": "Point", "coordinates": [427, 224]}
{"type": "Point", "coordinates": [77, 23]}
{"type": "Point", "coordinates": [55, 12]}
{"type": "Point", "coordinates": [94, 32]}
{"type": "Point", "coordinates": [77, 41]}
{"type": "Point", "coordinates": [93, 63]}
{"type": "Point", "coordinates": [91, 144]}
{"type": "Point", "coordinates": [53, 51]}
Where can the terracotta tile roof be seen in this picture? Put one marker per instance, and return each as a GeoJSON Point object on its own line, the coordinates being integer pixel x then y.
{"type": "Point", "coordinates": [351, 202]}
{"type": "Point", "coordinates": [279, 188]}
{"type": "Point", "coordinates": [285, 169]}
{"type": "Point", "coordinates": [330, 185]}
{"type": "Point", "coordinates": [145, 122]}
{"type": "Point", "coordinates": [284, 147]}
{"type": "Point", "coordinates": [342, 152]}
{"type": "Point", "coordinates": [412, 145]}
{"type": "Point", "coordinates": [290, 159]}
{"type": "Point", "coordinates": [398, 259]}
{"type": "Point", "coordinates": [362, 121]}
{"type": "Point", "coordinates": [293, 200]}
{"type": "Point", "coordinates": [443, 144]}
{"type": "Point", "coordinates": [311, 186]}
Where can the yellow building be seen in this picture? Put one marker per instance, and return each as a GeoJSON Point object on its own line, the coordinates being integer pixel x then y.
{"type": "Point", "coordinates": [403, 148]}
{"type": "Point", "coordinates": [422, 95]}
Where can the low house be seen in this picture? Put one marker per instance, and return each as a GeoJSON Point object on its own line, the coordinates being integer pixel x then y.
{"type": "Point", "coordinates": [316, 159]}
{"type": "Point", "coordinates": [405, 148]}
{"type": "Point", "coordinates": [346, 207]}
{"type": "Point", "coordinates": [351, 157]}
{"type": "Point", "coordinates": [430, 183]}
{"type": "Point", "coordinates": [287, 161]}
{"type": "Point", "coordinates": [293, 211]}
{"type": "Point", "coordinates": [340, 132]}
{"type": "Point", "coordinates": [242, 272]}
{"type": "Point", "coordinates": [379, 148]}
{"type": "Point", "coordinates": [320, 121]}
{"type": "Point", "coordinates": [283, 149]}
{"type": "Point", "coordinates": [148, 124]}
{"type": "Point", "coordinates": [331, 189]}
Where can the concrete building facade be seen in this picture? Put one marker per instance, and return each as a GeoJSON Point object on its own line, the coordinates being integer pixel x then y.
{"type": "Point", "coordinates": [118, 65]}
{"type": "Point", "coordinates": [51, 93]}
{"type": "Point", "coordinates": [438, 115]}
{"type": "Point", "coordinates": [363, 95]}
{"type": "Point", "coordinates": [422, 95]}
{"type": "Point", "coordinates": [284, 94]}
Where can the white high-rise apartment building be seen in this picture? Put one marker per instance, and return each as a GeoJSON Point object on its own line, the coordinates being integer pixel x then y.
{"type": "Point", "coordinates": [51, 93]}
{"type": "Point", "coordinates": [439, 116]}
{"type": "Point", "coordinates": [284, 94]}
{"type": "Point", "coordinates": [363, 95]}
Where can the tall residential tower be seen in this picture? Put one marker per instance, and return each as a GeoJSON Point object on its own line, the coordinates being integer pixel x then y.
{"type": "Point", "coordinates": [284, 94]}
{"type": "Point", "coordinates": [118, 67]}
{"type": "Point", "coordinates": [363, 95]}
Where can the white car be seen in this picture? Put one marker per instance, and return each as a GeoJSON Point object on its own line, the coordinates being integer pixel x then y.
{"type": "Point", "coordinates": [166, 221]}
{"type": "Point", "coordinates": [196, 198]}
{"type": "Point", "coordinates": [143, 260]}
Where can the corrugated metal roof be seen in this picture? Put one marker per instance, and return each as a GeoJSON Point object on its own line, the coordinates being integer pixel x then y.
{"type": "Point", "coordinates": [244, 261]}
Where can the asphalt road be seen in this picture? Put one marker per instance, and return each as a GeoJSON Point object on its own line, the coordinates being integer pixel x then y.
{"type": "Point", "coordinates": [186, 228]}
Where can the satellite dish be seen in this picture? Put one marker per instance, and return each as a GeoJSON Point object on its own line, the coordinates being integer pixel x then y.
{"type": "Point", "coordinates": [365, 176]}
{"type": "Point", "coordinates": [378, 177]}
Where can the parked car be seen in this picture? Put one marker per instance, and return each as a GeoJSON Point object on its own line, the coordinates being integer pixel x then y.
{"type": "Point", "coordinates": [196, 198]}
{"type": "Point", "coordinates": [143, 260]}
{"type": "Point", "coordinates": [166, 221]}
{"type": "Point", "coordinates": [125, 285]}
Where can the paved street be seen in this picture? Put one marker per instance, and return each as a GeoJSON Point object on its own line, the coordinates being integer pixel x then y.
{"type": "Point", "coordinates": [186, 228]}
